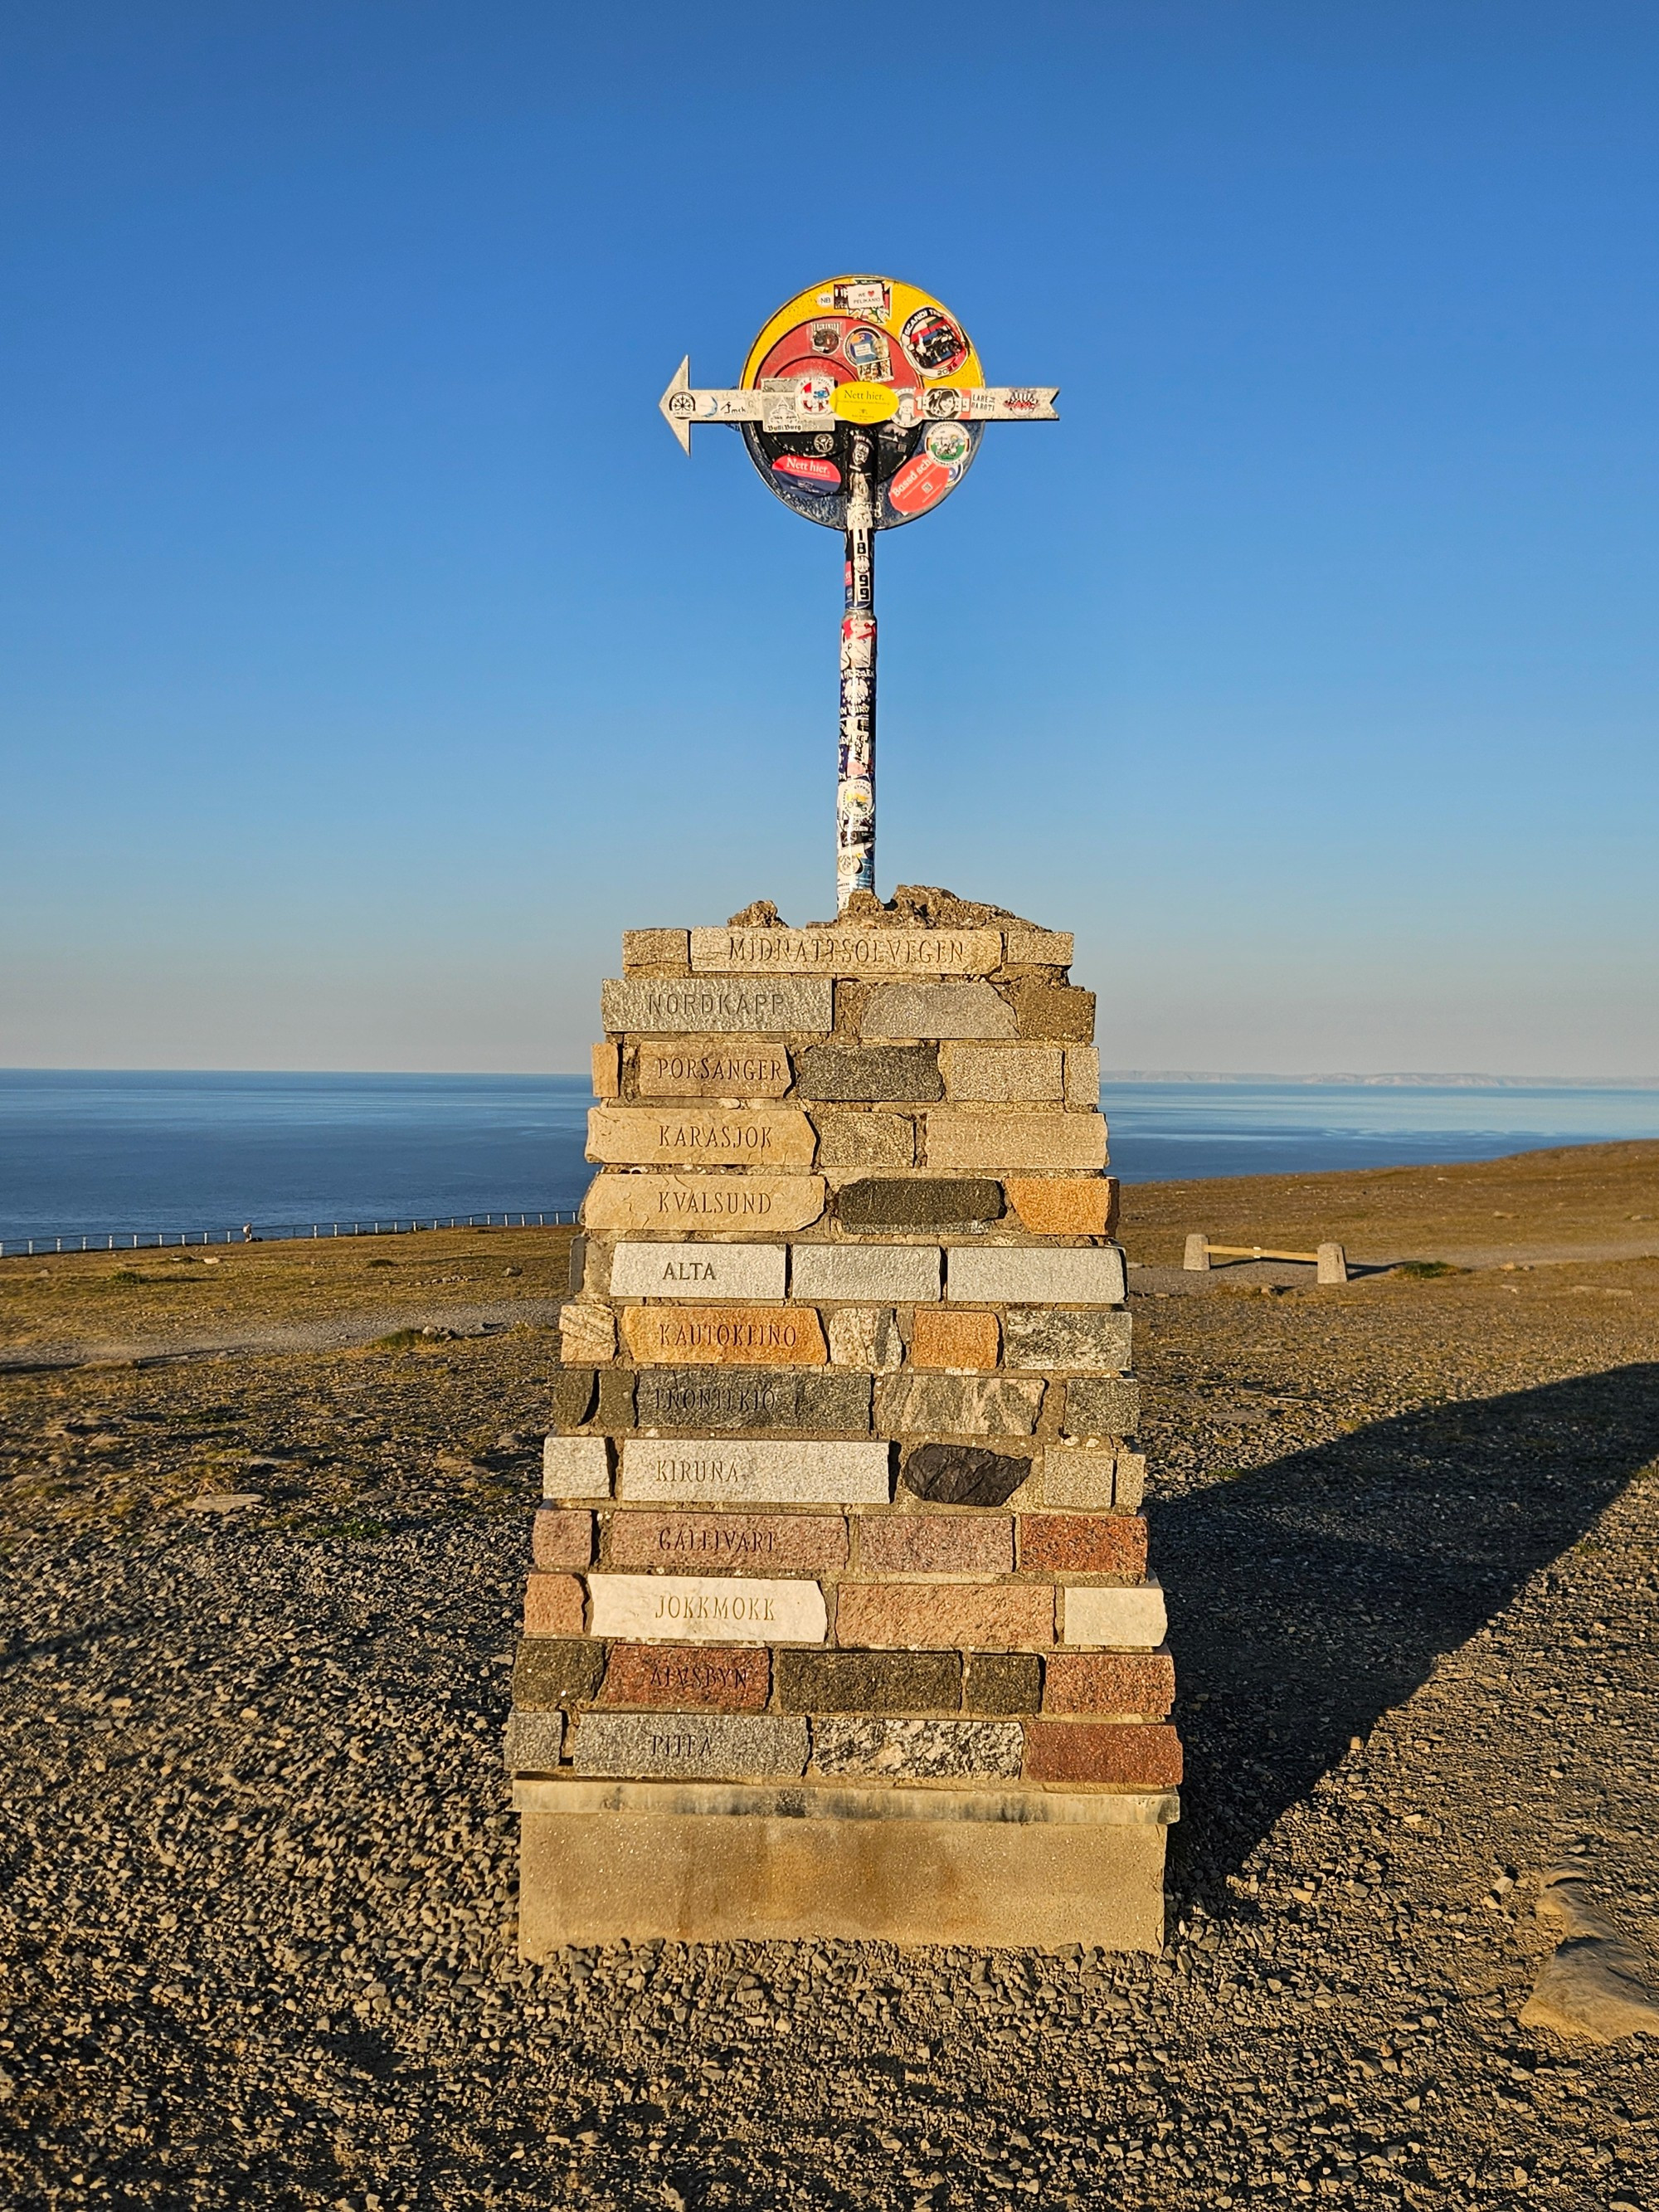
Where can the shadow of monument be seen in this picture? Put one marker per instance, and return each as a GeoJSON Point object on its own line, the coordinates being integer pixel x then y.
{"type": "Point", "coordinates": [1309, 1595]}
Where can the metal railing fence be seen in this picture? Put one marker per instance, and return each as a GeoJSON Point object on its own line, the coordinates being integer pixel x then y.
{"type": "Point", "coordinates": [152, 1240]}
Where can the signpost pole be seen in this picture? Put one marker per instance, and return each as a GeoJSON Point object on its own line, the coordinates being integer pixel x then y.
{"type": "Point", "coordinates": [855, 787]}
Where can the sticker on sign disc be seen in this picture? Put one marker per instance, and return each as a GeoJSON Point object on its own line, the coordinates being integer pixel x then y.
{"type": "Point", "coordinates": [864, 403]}
{"type": "Point", "coordinates": [810, 473]}
{"type": "Point", "coordinates": [918, 485]}
{"type": "Point", "coordinates": [947, 443]}
{"type": "Point", "coordinates": [868, 351]}
{"type": "Point", "coordinates": [933, 341]}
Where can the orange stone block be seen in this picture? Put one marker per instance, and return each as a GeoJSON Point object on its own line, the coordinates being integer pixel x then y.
{"type": "Point", "coordinates": [562, 1540]}
{"type": "Point", "coordinates": [552, 1606]}
{"type": "Point", "coordinates": [725, 1336]}
{"type": "Point", "coordinates": [1064, 1205]}
{"type": "Point", "coordinates": [1087, 1682]}
{"type": "Point", "coordinates": [675, 1676]}
{"type": "Point", "coordinates": [961, 1341]}
{"type": "Point", "coordinates": [607, 1070]}
{"type": "Point", "coordinates": [931, 1616]}
{"type": "Point", "coordinates": [1084, 1544]}
{"type": "Point", "coordinates": [1133, 1754]}
{"type": "Point", "coordinates": [935, 1544]}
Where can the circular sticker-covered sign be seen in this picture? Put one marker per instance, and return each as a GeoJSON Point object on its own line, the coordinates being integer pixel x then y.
{"type": "Point", "coordinates": [867, 356]}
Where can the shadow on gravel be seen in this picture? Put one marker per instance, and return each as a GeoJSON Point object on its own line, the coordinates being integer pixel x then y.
{"type": "Point", "coordinates": [1314, 1594]}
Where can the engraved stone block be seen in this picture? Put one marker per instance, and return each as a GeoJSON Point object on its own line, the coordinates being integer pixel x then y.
{"type": "Point", "coordinates": [1082, 1544]}
{"type": "Point", "coordinates": [917, 1749]}
{"type": "Point", "coordinates": [935, 1544]}
{"type": "Point", "coordinates": [796, 1004]}
{"type": "Point", "coordinates": [728, 1543]}
{"type": "Point", "coordinates": [958, 1404]}
{"type": "Point", "coordinates": [963, 1474]}
{"type": "Point", "coordinates": [1003, 1682]}
{"type": "Point", "coordinates": [846, 951]}
{"type": "Point", "coordinates": [742, 1470]}
{"type": "Point", "coordinates": [936, 1009]}
{"type": "Point", "coordinates": [576, 1467]}
{"type": "Point", "coordinates": [707, 1746]}
{"type": "Point", "coordinates": [1083, 1682]}
{"type": "Point", "coordinates": [966, 1137]}
{"type": "Point", "coordinates": [670, 1336]}
{"type": "Point", "coordinates": [752, 1398]}
{"type": "Point", "coordinates": [919, 1202]}
{"type": "Point", "coordinates": [966, 1342]}
{"type": "Point", "coordinates": [866, 1337]}
{"type": "Point", "coordinates": [1092, 1337]}
{"type": "Point", "coordinates": [1133, 1755]}
{"type": "Point", "coordinates": [989, 1616]}
{"type": "Point", "coordinates": [697, 1270]}
{"type": "Point", "coordinates": [866, 1140]}
{"type": "Point", "coordinates": [1102, 1406]}
{"type": "Point", "coordinates": [891, 1274]}
{"type": "Point", "coordinates": [706, 1609]}
{"type": "Point", "coordinates": [686, 1136]}
{"type": "Point", "coordinates": [1002, 1074]}
{"type": "Point", "coordinates": [1103, 1614]}
{"type": "Point", "coordinates": [872, 1075]}
{"type": "Point", "coordinates": [532, 1743]}
{"type": "Point", "coordinates": [727, 1678]}
{"type": "Point", "coordinates": [587, 1334]}
{"type": "Point", "coordinates": [868, 1681]}
{"type": "Point", "coordinates": [713, 1204]}
{"type": "Point", "coordinates": [1064, 1205]}
{"type": "Point", "coordinates": [711, 1068]}
{"type": "Point", "coordinates": [549, 1670]}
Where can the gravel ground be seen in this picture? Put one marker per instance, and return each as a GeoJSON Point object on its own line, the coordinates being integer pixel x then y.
{"type": "Point", "coordinates": [257, 1861]}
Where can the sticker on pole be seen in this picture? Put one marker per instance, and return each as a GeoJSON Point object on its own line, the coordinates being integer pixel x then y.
{"type": "Point", "coordinates": [860, 356]}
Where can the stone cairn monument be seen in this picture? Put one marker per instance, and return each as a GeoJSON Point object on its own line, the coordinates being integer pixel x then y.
{"type": "Point", "coordinates": [840, 1620]}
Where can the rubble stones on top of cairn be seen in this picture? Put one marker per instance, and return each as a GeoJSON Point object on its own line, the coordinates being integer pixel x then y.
{"type": "Point", "coordinates": [842, 1457]}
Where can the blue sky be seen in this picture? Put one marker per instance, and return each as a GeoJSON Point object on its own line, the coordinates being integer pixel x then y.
{"type": "Point", "coordinates": [372, 657]}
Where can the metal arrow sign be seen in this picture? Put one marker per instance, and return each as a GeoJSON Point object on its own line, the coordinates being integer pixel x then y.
{"type": "Point", "coordinates": [862, 405]}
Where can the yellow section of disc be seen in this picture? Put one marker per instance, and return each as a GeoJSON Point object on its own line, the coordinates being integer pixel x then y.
{"type": "Point", "coordinates": [881, 302]}
{"type": "Point", "coordinates": [864, 403]}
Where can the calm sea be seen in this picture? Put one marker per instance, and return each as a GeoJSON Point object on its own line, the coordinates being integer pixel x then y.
{"type": "Point", "coordinates": [86, 1153]}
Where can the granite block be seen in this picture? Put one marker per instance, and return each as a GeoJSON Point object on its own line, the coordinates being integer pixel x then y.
{"type": "Point", "coordinates": [966, 1343]}
{"type": "Point", "coordinates": [751, 1471]}
{"type": "Point", "coordinates": [697, 1270]}
{"type": "Point", "coordinates": [576, 1467]}
{"type": "Point", "coordinates": [934, 1544]}
{"type": "Point", "coordinates": [1082, 1075]}
{"type": "Point", "coordinates": [884, 1274]}
{"type": "Point", "coordinates": [917, 1750]}
{"type": "Point", "coordinates": [868, 1681]}
{"type": "Point", "coordinates": [1126, 1618]}
{"type": "Point", "coordinates": [1053, 1011]}
{"type": "Point", "coordinates": [731, 1678]}
{"type": "Point", "coordinates": [845, 951]}
{"type": "Point", "coordinates": [716, 1400]}
{"type": "Point", "coordinates": [587, 1334]}
{"type": "Point", "coordinates": [1038, 948]}
{"type": "Point", "coordinates": [1080, 1475]}
{"type": "Point", "coordinates": [865, 1337]}
{"type": "Point", "coordinates": [713, 1204]}
{"type": "Point", "coordinates": [1091, 1682]}
{"type": "Point", "coordinates": [1102, 1406]}
{"type": "Point", "coordinates": [1130, 1755]}
{"type": "Point", "coordinates": [573, 1390]}
{"type": "Point", "coordinates": [727, 1543]}
{"type": "Point", "coordinates": [872, 1075]}
{"type": "Point", "coordinates": [958, 1404]}
{"type": "Point", "coordinates": [927, 1616]}
{"type": "Point", "coordinates": [552, 1605]}
{"type": "Point", "coordinates": [1003, 1074]}
{"type": "Point", "coordinates": [1082, 1544]}
{"type": "Point", "coordinates": [919, 1202]}
{"type": "Point", "coordinates": [1066, 1336]}
{"type": "Point", "coordinates": [656, 948]}
{"type": "Point", "coordinates": [1064, 1205]}
{"type": "Point", "coordinates": [711, 1067]}
{"type": "Point", "coordinates": [532, 1743]}
{"type": "Point", "coordinates": [555, 1671]}
{"type": "Point", "coordinates": [607, 1070]}
{"type": "Point", "coordinates": [932, 1011]}
{"type": "Point", "coordinates": [1003, 1682]}
{"type": "Point", "coordinates": [977, 1137]}
{"type": "Point", "coordinates": [866, 1140]}
{"type": "Point", "coordinates": [673, 1136]}
{"type": "Point", "coordinates": [724, 1336]}
{"type": "Point", "coordinates": [562, 1539]}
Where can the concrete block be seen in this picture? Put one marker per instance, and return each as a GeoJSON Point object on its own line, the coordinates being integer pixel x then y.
{"type": "Point", "coordinates": [1333, 1264]}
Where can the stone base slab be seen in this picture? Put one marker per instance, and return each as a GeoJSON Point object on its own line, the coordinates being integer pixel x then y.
{"type": "Point", "coordinates": [721, 1862]}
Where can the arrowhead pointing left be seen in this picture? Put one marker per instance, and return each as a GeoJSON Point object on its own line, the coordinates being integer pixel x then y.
{"type": "Point", "coordinates": [678, 419]}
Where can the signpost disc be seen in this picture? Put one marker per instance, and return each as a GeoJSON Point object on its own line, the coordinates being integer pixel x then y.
{"type": "Point", "coordinates": [872, 355]}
